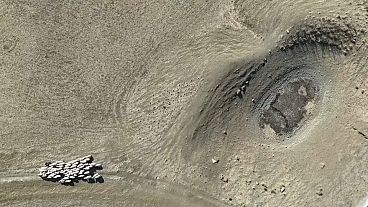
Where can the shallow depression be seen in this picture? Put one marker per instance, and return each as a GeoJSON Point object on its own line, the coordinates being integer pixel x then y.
{"type": "Point", "coordinates": [290, 106]}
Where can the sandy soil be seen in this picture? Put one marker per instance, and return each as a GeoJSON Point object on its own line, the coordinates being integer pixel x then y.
{"type": "Point", "coordinates": [186, 103]}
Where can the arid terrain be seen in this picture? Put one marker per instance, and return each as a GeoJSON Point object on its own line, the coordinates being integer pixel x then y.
{"type": "Point", "coordinates": [186, 103]}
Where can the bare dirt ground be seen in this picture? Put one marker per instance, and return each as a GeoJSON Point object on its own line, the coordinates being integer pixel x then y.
{"type": "Point", "coordinates": [186, 103]}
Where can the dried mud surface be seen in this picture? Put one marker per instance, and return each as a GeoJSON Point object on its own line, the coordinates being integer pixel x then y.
{"type": "Point", "coordinates": [186, 103]}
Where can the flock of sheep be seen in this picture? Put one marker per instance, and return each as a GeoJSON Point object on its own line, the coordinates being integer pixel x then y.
{"type": "Point", "coordinates": [67, 173]}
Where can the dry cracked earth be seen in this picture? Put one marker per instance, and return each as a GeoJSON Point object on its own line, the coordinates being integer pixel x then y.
{"type": "Point", "coordinates": [186, 103]}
